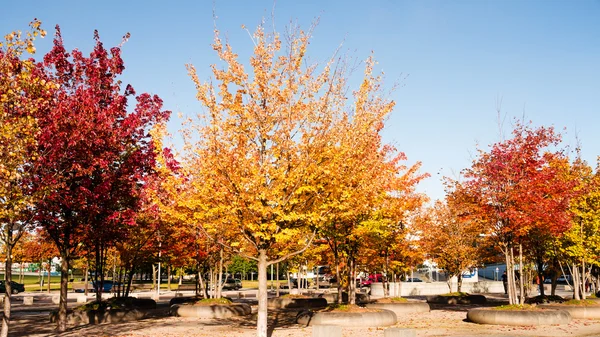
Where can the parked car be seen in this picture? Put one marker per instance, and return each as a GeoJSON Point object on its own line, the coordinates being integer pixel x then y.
{"type": "Point", "coordinates": [413, 279]}
{"type": "Point", "coordinates": [327, 281]}
{"type": "Point", "coordinates": [107, 286]}
{"type": "Point", "coordinates": [238, 283]}
{"type": "Point", "coordinates": [366, 282]}
{"type": "Point", "coordinates": [80, 287]}
{"type": "Point", "coordinates": [304, 283]}
{"type": "Point", "coordinates": [363, 282]}
{"type": "Point", "coordinates": [560, 280]}
{"type": "Point", "coordinates": [15, 287]}
{"type": "Point", "coordinates": [231, 284]}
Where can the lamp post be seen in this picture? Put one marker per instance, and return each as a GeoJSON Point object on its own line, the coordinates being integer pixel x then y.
{"type": "Point", "coordinates": [271, 277]}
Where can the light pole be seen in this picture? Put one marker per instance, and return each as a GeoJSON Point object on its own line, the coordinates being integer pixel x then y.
{"type": "Point", "coordinates": [271, 277]}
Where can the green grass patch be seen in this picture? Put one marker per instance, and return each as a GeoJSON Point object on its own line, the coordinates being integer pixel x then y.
{"type": "Point", "coordinates": [339, 307]}
{"type": "Point", "coordinates": [32, 279]}
{"type": "Point", "coordinates": [398, 299]}
{"type": "Point", "coordinates": [517, 307]}
{"type": "Point", "coordinates": [211, 301]}
{"type": "Point", "coordinates": [348, 308]}
{"type": "Point", "coordinates": [581, 302]}
{"type": "Point", "coordinates": [392, 300]}
{"type": "Point", "coordinates": [102, 305]}
{"type": "Point", "coordinates": [456, 294]}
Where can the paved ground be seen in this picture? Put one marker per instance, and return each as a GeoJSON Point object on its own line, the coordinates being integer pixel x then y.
{"type": "Point", "coordinates": [443, 320]}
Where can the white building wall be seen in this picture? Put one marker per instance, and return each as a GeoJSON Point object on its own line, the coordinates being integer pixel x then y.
{"type": "Point", "coordinates": [435, 288]}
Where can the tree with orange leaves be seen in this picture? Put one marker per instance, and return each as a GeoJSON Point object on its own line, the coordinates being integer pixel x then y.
{"type": "Point", "coordinates": [265, 154]}
{"type": "Point", "coordinates": [369, 191]}
{"type": "Point", "coordinates": [449, 233]}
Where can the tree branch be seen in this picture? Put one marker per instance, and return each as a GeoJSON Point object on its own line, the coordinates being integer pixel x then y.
{"type": "Point", "coordinates": [287, 256]}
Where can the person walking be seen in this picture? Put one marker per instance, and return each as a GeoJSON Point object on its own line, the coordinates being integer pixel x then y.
{"type": "Point", "coordinates": [505, 282]}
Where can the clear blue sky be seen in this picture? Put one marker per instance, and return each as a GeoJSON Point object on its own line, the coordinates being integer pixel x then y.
{"type": "Point", "coordinates": [541, 58]}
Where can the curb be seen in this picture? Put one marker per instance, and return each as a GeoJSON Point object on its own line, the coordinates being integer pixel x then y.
{"type": "Point", "coordinates": [518, 317]}
{"type": "Point", "coordinates": [348, 319]}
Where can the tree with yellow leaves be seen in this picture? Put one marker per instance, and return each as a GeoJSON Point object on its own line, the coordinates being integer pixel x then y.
{"type": "Point", "coordinates": [580, 245]}
{"type": "Point", "coordinates": [267, 154]}
{"type": "Point", "coordinates": [23, 92]}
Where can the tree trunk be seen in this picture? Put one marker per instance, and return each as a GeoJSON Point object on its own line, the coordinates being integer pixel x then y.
{"type": "Point", "coordinates": [261, 323]}
{"type": "Point", "coordinates": [98, 286]}
{"type": "Point", "coordinates": [40, 276]}
{"type": "Point", "coordinates": [219, 286]}
{"type": "Point", "coordinates": [583, 279]}
{"type": "Point", "coordinates": [200, 285]}
{"type": "Point", "coordinates": [509, 275]}
{"type": "Point", "coordinates": [49, 270]}
{"type": "Point", "coordinates": [64, 284]}
{"type": "Point", "coordinates": [7, 279]}
{"type": "Point", "coordinates": [351, 282]}
{"type": "Point", "coordinates": [339, 280]}
{"type": "Point", "coordinates": [540, 276]}
{"type": "Point", "coordinates": [169, 277]}
{"type": "Point", "coordinates": [459, 280]}
{"type": "Point", "coordinates": [277, 280]}
{"type": "Point", "coordinates": [522, 277]}
{"type": "Point", "coordinates": [317, 276]}
{"type": "Point", "coordinates": [514, 277]}
{"type": "Point", "coordinates": [130, 280]}
{"type": "Point", "coordinates": [212, 283]}
{"type": "Point", "coordinates": [299, 278]}
{"type": "Point", "coordinates": [154, 283]}
{"type": "Point", "coordinates": [575, 273]}
{"type": "Point", "coordinates": [386, 289]}
{"type": "Point", "coordinates": [119, 280]}
{"type": "Point", "coordinates": [85, 287]}
{"type": "Point", "coordinates": [204, 286]}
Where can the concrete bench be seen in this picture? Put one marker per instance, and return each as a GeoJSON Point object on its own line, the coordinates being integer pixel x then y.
{"type": "Point", "coordinates": [142, 287]}
{"type": "Point", "coordinates": [186, 286]}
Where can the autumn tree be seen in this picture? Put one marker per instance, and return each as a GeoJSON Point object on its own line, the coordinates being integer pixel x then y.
{"type": "Point", "coordinates": [20, 253]}
{"type": "Point", "coordinates": [40, 249]}
{"type": "Point", "coordinates": [94, 154]}
{"type": "Point", "coordinates": [449, 234]}
{"type": "Point", "coordinates": [368, 189]}
{"type": "Point", "coordinates": [257, 154]}
{"type": "Point", "coordinates": [24, 92]}
{"type": "Point", "coordinates": [185, 246]}
{"type": "Point", "coordinates": [580, 245]}
{"type": "Point", "coordinates": [519, 192]}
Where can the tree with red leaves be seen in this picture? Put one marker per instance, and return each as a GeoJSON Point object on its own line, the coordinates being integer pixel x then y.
{"type": "Point", "coordinates": [94, 154]}
{"type": "Point", "coordinates": [520, 192]}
